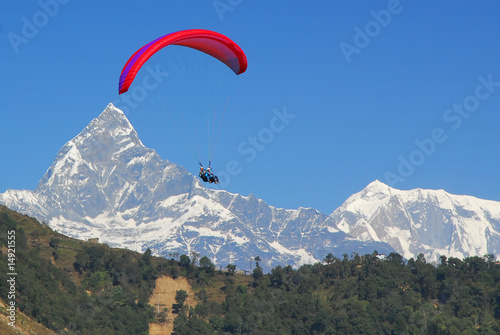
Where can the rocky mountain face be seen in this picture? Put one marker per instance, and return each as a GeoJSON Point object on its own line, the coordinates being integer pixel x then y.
{"type": "Point", "coordinates": [432, 222]}
{"type": "Point", "coordinates": [105, 183]}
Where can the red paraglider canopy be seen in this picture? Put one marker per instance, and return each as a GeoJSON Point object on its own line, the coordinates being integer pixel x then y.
{"type": "Point", "coordinates": [209, 42]}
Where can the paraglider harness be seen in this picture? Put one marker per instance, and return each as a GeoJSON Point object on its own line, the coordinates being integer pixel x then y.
{"type": "Point", "coordinates": [207, 176]}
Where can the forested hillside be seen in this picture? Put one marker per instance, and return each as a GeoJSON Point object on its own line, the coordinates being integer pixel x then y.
{"type": "Point", "coordinates": [76, 287]}
{"type": "Point", "coordinates": [359, 295]}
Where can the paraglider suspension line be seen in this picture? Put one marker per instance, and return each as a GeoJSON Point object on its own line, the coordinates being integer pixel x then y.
{"type": "Point", "coordinates": [220, 126]}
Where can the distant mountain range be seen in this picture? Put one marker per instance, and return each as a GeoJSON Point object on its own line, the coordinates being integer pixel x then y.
{"type": "Point", "coordinates": [105, 183]}
{"type": "Point", "coordinates": [432, 222]}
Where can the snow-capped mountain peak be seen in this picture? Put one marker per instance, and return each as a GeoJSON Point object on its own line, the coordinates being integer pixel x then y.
{"type": "Point", "coordinates": [96, 152]}
{"type": "Point", "coordinates": [432, 222]}
{"type": "Point", "coordinates": [376, 190]}
{"type": "Point", "coordinates": [115, 120]}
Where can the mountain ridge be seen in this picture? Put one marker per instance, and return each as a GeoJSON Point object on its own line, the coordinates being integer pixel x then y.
{"type": "Point", "coordinates": [105, 183]}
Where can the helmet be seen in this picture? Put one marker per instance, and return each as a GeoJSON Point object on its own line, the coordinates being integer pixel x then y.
{"type": "Point", "coordinates": [208, 169]}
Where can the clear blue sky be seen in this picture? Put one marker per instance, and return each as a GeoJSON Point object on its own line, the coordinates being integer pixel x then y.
{"type": "Point", "coordinates": [406, 92]}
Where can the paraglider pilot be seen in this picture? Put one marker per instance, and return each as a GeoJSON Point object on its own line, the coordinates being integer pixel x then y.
{"type": "Point", "coordinates": [203, 175]}
{"type": "Point", "coordinates": [207, 175]}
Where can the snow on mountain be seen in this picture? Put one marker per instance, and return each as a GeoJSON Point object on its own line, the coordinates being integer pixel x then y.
{"type": "Point", "coordinates": [432, 222]}
{"type": "Point", "coordinates": [105, 183]}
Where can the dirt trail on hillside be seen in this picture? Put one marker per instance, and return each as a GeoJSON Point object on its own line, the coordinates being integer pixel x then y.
{"type": "Point", "coordinates": [164, 296]}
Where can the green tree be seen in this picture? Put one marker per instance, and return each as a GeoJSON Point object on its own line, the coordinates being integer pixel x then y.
{"type": "Point", "coordinates": [194, 257]}
{"type": "Point", "coordinates": [99, 280]}
{"type": "Point", "coordinates": [257, 274]}
{"type": "Point", "coordinates": [257, 260]}
{"type": "Point", "coordinates": [180, 297]}
{"type": "Point", "coordinates": [329, 259]}
{"type": "Point", "coordinates": [185, 261]}
{"type": "Point", "coordinates": [207, 265]}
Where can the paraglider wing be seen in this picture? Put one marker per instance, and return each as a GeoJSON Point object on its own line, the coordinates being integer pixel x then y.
{"type": "Point", "coordinates": [209, 42]}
